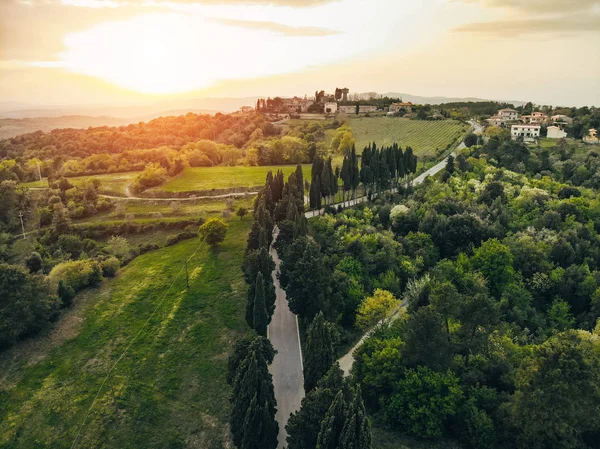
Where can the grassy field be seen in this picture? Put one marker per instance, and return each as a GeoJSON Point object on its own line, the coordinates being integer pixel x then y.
{"type": "Point", "coordinates": [168, 391]}
{"type": "Point", "coordinates": [425, 137]}
{"type": "Point", "coordinates": [208, 178]}
{"type": "Point", "coordinates": [110, 184]}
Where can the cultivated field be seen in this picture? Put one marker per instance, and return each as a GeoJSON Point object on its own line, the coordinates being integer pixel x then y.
{"type": "Point", "coordinates": [169, 390]}
{"type": "Point", "coordinates": [208, 178]}
{"type": "Point", "coordinates": [425, 137]}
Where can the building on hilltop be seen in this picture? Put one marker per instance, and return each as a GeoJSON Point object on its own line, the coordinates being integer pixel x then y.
{"type": "Point", "coordinates": [407, 106]}
{"type": "Point", "coordinates": [554, 132]}
{"type": "Point", "coordinates": [536, 118]}
{"type": "Point", "coordinates": [503, 117]}
{"type": "Point", "coordinates": [592, 136]}
{"type": "Point", "coordinates": [362, 109]}
{"type": "Point", "coordinates": [246, 109]}
{"type": "Point", "coordinates": [529, 133]}
{"type": "Point", "coordinates": [561, 118]}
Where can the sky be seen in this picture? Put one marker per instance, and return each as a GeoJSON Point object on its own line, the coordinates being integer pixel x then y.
{"type": "Point", "coordinates": [121, 52]}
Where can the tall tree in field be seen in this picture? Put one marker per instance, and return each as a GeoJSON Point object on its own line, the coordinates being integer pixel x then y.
{"type": "Point", "coordinates": [253, 404]}
{"type": "Point", "coordinates": [319, 351]}
{"type": "Point", "coordinates": [400, 168]}
{"type": "Point", "coordinates": [325, 179]}
{"type": "Point", "coordinates": [260, 318]}
{"type": "Point", "coordinates": [345, 175]}
{"type": "Point", "coordinates": [356, 433]}
{"type": "Point", "coordinates": [332, 424]}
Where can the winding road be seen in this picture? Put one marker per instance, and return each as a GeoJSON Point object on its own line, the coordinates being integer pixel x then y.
{"type": "Point", "coordinates": [287, 369]}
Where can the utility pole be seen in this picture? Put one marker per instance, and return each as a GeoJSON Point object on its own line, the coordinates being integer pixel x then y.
{"type": "Point", "coordinates": [187, 279]}
{"type": "Point", "coordinates": [22, 226]}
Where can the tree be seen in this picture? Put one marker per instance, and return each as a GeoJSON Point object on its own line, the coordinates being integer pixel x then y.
{"type": "Point", "coordinates": [28, 303]}
{"type": "Point", "coordinates": [60, 219]}
{"type": "Point", "coordinates": [304, 426]}
{"type": "Point", "coordinates": [118, 246]}
{"type": "Point", "coordinates": [495, 261]}
{"type": "Point", "coordinates": [34, 262]}
{"type": "Point", "coordinates": [356, 433]}
{"type": "Point", "coordinates": [424, 401]}
{"type": "Point", "coordinates": [241, 212]}
{"type": "Point", "coordinates": [376, 308]}
{"type": "Point", "coordinates": [260, 317]}
{"type": "Point", "coordinates": [332, 424]}
{"type": "Point", "coordinates": [557, 396]}
{"type": "Point", "coordinates": [213, 231]}
{"type": "Point", "coordinates": [319, 353]}
{"type": "Point", "coordinates": [253, 404]}
{"type": "Point", "coordinates": [470, 140]}
{"type": "Point", "coordinates": [449, 168]}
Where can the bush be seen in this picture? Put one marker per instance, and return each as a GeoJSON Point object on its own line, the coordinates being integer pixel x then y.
{"type": "Point", "coordinates": [34, 262]}
{"type": "Point", "coordinates": [77, 274]}
{"type": "Point", "coordinates": [110, 267]}
{"type": "Point", "coordinates": [173, 239]}
{"type": "Point", "coordinates": [118, 246]}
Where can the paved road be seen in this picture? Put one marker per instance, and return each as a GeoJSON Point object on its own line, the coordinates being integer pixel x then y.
{"type": "Point", "coordinates": [287, 369]}
{"type": "Point", "coordinates": [203, 197]}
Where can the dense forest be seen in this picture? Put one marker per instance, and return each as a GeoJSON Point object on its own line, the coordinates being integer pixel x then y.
{"type": "Point", "coordinates": [497, 267]}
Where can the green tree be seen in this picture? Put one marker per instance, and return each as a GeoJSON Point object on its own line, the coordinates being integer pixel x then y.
{"type": "Point", "coordinates": [356, 433]}
{"type": "Point", "coordinates": [241, 212]}
{"type": "Point", "coordinates": [376, 308]}
{"type": "Point", "coordinates": [319, 351]}
{"type": "Point", "coordinates": [557, 396]}
{"type": "Point", "coordinates": [213, 231]}
{"type": "Point", "coordinates": [253, 405]}
{"type": "Point", "coordinates": [260, 317]}
{"type": "Point", "coordinates": [304, 426]}
{"type": "Point", "coordinates": [424, 401]}
{"type": "Point", "coordinates": [28, 303]}
{"type": "Point", "coordinates": [34, 262]}
{"type": "Point", "coordinates": [332, 424]}
{"type": "Point", "coordinates": [426, 340]}
{"type": "Point", "coordinates": [495, 261]}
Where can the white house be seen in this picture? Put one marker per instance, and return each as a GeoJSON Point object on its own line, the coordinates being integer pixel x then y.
{"type": "Point", "coordinates": [554, 132]}
{"type": "Point", "coordinates": [331, 107]}
{"type": "Point", "coordinates": [351, 109]}
{"type": "Point", "coordinates": [529, 133]}
{"type": "Point", "coordinates": [592, 136]}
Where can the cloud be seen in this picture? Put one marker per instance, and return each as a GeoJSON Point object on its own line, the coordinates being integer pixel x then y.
{"type": "Point", "coordinates": [117, 3]}
{"type": "Point", "coordinates": [279, 28]}
{"type": "Point", "coordinates": [574, 23]}
{"type": "Point", "coordinates": [539, 6]}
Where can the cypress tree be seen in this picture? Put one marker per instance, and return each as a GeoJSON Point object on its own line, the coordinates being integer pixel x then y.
{"type": "Point", "coordinates": [354, 173]}
{"type": "Point", "coordinates": [320, 352]}
{"type": "Point", "coordinates": [259, 316]}
{"type": "Point", "coordinates": [345, 175]}
{"type": "Point", "coordinates": [332, 424]}
{"type": "Point", "coordinates": [253, 404]}
{"type": "Point", "coordinates": [356, 433]}
{"type": "Point", "coordinates": [333, 181]}
{"type": "Point", "coordinates": [325, 182]}
{"type": "Point", "coordinates": [400, 164]}
{"type": "Point", "coordinates": [300, 183]}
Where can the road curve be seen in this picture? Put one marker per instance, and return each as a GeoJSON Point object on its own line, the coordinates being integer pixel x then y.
{"type": "Point", "coordinates": [287, 369]}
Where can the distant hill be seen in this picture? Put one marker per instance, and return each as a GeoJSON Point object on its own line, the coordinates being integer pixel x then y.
{"type": "Point", "coordinates": [439, 100]}
{"type": "Point", "coordinates": [11, 127]}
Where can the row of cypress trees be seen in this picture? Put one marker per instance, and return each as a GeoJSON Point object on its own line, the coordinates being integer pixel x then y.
{"type": "Point", "coordinates": [253, 404]}
{"type": "Point", "coordinates": [380, 170]}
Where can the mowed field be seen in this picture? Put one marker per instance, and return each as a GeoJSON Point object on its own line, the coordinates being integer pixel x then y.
{"type": "Point", "coordinates": [425, 137]}
{"type": "Point", "coordinates": [168, 391]}
{"type": "Point", "coordinates": [208, 178]}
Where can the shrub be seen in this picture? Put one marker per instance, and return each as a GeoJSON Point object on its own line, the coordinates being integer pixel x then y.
{"type": "Point", "coordinates": [77, 274]}
{"type": "Point", "coordinates": [118, 246]}
{"type": "Point", "coordinates": [110, 267]}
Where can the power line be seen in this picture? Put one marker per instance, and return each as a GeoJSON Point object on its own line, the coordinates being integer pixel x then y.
{"type": "Point", "coordinates": [129, 346]}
